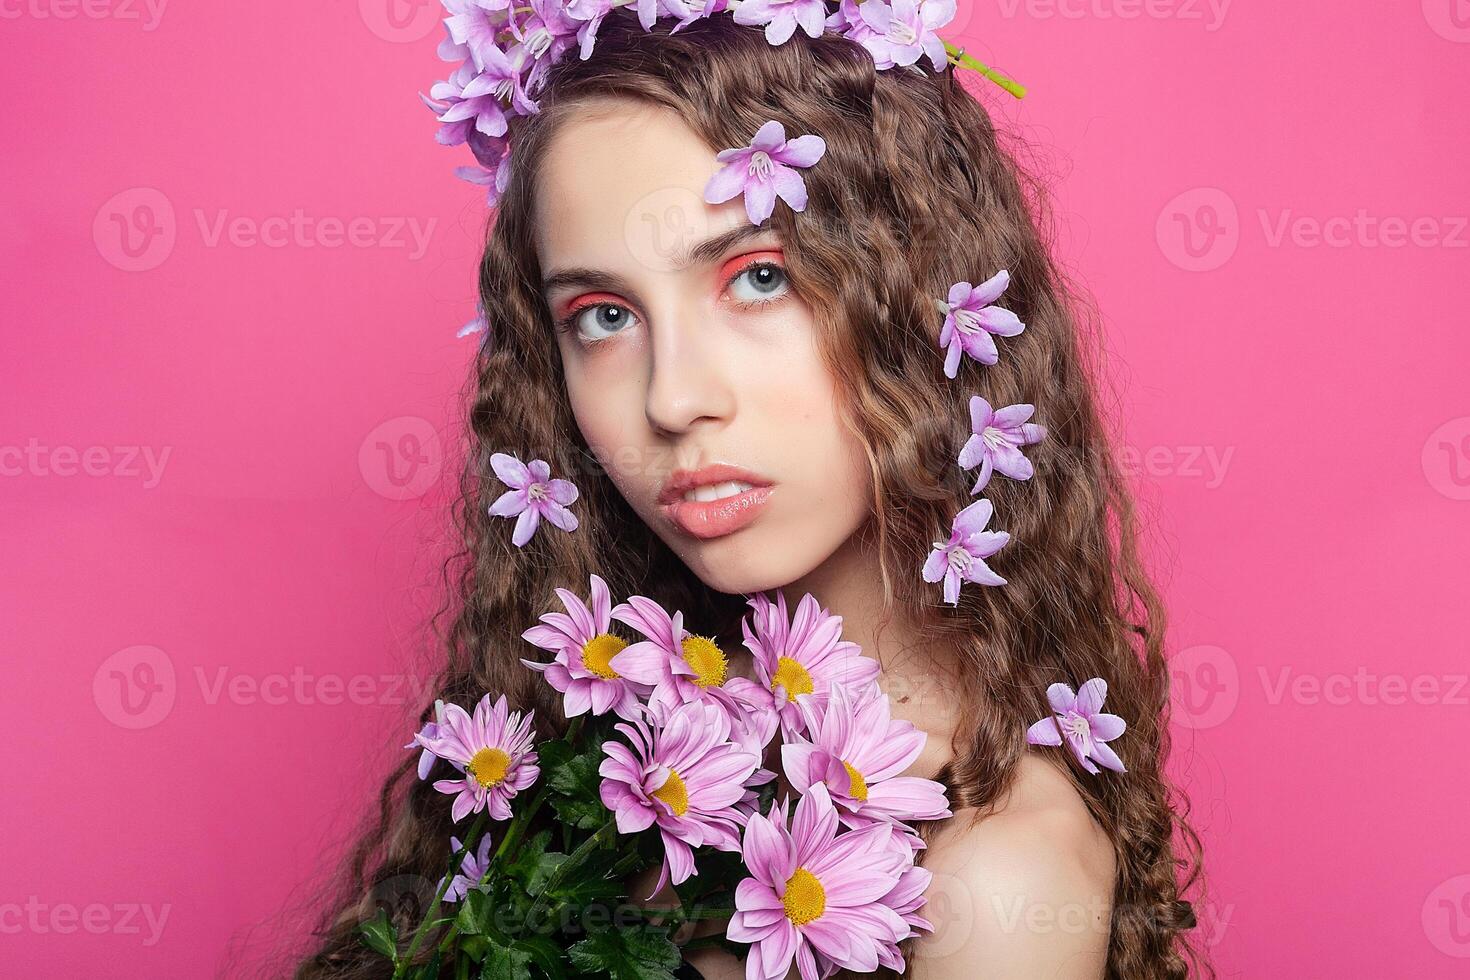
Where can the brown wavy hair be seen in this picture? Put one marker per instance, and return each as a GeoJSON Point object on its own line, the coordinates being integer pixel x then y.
{"type": "Point", "coordinates": [915, 192]}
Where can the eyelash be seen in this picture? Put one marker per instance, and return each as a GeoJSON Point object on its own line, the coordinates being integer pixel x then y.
{"type": "Point", "coordinates": [567, 324]}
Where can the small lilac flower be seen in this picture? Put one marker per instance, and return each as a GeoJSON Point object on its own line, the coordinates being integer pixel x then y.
{"type": "Point", "coordinates": [533, 495]}
{"type": "Point", "coordinates": [816, 895]}
{"type": "Point", "coordinates": [478, 325]}
{"type": "Point", "coordinates": [651, 10]}
{"type": "Point", "coordinates": [547, 31]}
{"type": "Point", "coordinates": [472, 109]}
{"type": "Point", "coordinates": [473, 24]}
{"type": "Point", "coordinates": [997, 435]}
{"type": "Point", "coordinates": [471, 870]}
{"type": "Point", "coordinates": [903, 31]}
{"type": "Point", "coordinates": [782, 17]}
{"type": "Point", "coordinates": [503, 79]}
{"type": "Point", "coordinates": [493, 751]}
{"type": "Point", "coordinates": [589, 13]}
{"type": "Point", "coordinates": [429, 732]}
{"type": "Point", "coordinates": [854, 746]}
{"type": "Point", "coordinates": [969, 319]}
{"type": "Point", "coordinates": [584, 645]}
{"type": "Point", "coordinates": [962, 558]}
{"type": "Point", "coordinates": [1080, 719]}
{"type": "Point", "coordinates": [684, 774]}
{"type": "Point", "coordinates": [763, 170]}
{"type": "Point", "coordinates": [493, 153]}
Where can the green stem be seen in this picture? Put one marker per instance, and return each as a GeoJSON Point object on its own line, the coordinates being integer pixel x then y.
{"type": "Point", "coordinates": [969, 61]}
{"type": "Point", "coordinates": [573, 859]}
{"type": "Point", "coordinates": [455, 863]}
{"type": "Point", "coordinates": [514, 832]}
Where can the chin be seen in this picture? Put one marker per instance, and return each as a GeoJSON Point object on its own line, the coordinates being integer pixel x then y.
{"type": "Point", "coordinates": [745, 563]}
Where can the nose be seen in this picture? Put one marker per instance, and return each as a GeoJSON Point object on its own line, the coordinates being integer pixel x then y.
{"type": "Point", "coordinates": [689, 382]}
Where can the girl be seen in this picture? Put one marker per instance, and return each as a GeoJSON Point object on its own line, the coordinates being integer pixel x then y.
{"type": "Point", "coordinates": [656, 349]}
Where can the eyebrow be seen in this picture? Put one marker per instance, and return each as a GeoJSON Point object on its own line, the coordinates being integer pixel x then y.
{"type": "Point", "coordinates": [706, 251]}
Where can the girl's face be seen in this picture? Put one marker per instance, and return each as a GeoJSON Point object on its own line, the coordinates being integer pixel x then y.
{"type": "Point", "coordinates": [690, 362]}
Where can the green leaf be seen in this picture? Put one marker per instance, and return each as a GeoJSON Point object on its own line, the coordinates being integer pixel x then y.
{"type": "Point", "coordinates": [506, 963]}
{"type": "Point", "coordinates": [579, 813]}
{"type": "Point", "coordinates": [641, 952]}
{"type": "Point", "coordinates": [381, 935]}
{"type": "Point", "coordinates": [545, 954]}
{"type": "Point", "coordinates": [522, 864]}
{"type": "Point", "coordinates": [474, 913]}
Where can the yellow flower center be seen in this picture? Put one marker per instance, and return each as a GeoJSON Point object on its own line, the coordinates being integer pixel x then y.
{"type": "Point", "coordinates": [805, 898]}
{"type": "Point", "coordinates": [489, 766]}
{"type": "Point", "coordinates": [598, 653]}
{"type": "Point", "coordinates": [792, 676]}
{"type": "Point", "coordinates": [707, 659]}
{"type": "Point", "coordinates": [674, 794]}
{"type": "Point", "coordinates": [859, 788]}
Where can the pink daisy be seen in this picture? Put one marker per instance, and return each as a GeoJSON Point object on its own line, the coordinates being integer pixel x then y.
{"type": "Point", "coordinates": [584, 645]}
{"type": "Point", "coordinates": [493, 751]}
{"type": "Point", "coordinates": [858, 750]}
{"type": "Point", "coordinates": [804, 656]}
{"type": "Point", "coordinates": [684, 774]}
{"type": "Point", "coordinates": [679, 665]}
{"type": "Point", "coordinates": [815, 895]}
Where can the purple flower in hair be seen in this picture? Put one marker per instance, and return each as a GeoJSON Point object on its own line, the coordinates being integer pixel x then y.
{"type": "Point", "coordinates": [493, 153]}
{"type": "Point", "coordinates": [962, 558]}
{"type": "Point", "coordinates": [782, 17]}
{"type": "Point", "coordinates": [997, 437]}
{"type": "Point", "coordinates": [1079, 719]}
{"type": "Point", "coordinates": [533, 495]}
{"type": "Point", "coordinates": [903, 31]}
{"type": "Point", "coordinates": [764, 169]}
{"type": "Point", "coordinates": [472, 25]}
{"type": "Point", "coordinates": [969, 320]}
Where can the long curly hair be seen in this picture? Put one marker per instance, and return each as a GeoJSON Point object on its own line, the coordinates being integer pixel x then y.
{"type": "Point", "coordinates": [915, 192]}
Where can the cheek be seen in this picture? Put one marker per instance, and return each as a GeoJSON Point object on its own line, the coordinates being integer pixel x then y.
{"type": "Point", "coordinates": [608, 410]}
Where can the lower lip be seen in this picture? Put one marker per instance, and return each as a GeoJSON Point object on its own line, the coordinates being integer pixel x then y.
{"type": "Point", "coordinates": [717, 518]}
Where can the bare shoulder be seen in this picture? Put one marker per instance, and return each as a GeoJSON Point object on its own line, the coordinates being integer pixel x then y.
{"type": "Point", "coordinates": [1022, 889]}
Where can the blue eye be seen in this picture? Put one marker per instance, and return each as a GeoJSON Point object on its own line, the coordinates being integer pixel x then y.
{"type": "Point", "coordinates": [762, 281]}
{"type": "Point", "coordinates": [597, 321]}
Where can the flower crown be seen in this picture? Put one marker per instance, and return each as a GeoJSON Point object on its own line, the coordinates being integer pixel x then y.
{"type": "Point", "coordinates": [505, 51]}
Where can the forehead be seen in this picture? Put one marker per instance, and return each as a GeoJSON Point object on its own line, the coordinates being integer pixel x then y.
{"type": "Point", "coordinates": [624, 181]}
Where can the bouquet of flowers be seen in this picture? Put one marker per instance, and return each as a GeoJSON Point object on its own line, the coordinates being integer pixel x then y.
{"type": "Point", "coordinates": [661, 765]}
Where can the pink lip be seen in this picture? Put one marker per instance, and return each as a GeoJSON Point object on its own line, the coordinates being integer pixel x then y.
{"type": "Point", "coordinates": [714, 518]}
{"type": "Point", "coordinates": [717, 518]}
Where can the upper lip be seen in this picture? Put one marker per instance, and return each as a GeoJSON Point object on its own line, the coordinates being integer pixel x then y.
{"type": "Point", "coordinates": [681, 481]}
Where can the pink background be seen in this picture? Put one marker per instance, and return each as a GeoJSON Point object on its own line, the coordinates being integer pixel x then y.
{"type": "Point", "coordinates": [1296, 409]}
